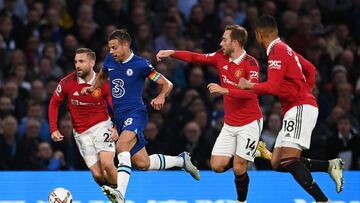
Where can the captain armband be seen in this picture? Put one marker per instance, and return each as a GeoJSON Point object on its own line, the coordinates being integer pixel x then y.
{"type": "Point", "coordinates": [154, 75]}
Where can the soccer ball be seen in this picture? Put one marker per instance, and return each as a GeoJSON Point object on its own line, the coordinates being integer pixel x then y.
{"type": "Point", "coordinates": [60, 195]}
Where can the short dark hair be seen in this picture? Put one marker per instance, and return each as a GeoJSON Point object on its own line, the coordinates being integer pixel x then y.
{"type": "Point", "coordinates": [238, 33]}
{"type": "Point", "coordinates": [121, 35]}
{"type": "Point", "coordinates": [267, 23]}
{"type": "Point", "coordinates": [90, 53]}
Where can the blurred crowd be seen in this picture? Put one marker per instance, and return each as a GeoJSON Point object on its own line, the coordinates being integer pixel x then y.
{"type": "Point", "coordinates": [38, 39]}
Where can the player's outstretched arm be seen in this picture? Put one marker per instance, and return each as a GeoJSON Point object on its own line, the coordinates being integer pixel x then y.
{"type": "Point", "coordinates": [99, 81]}
{"type": "Point", "coordinates": [164, 54]}
{"type": "Point", "coordinates": [187, 56]}
{"type": "Point", "coordinates": [166, 87]}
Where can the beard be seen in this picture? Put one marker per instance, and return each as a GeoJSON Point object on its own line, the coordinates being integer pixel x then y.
{"type": "Point", "coordinates": [228, 51]}
{"type": "Point", "coordinates": [83, 73]}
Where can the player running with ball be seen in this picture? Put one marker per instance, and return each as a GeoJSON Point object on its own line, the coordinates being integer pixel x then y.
{"type": "Point", "coordinates": [127, 73]}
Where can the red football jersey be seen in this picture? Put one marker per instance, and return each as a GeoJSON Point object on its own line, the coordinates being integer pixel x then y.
{"type": "Point", "coordinates": [290, 77]}
{"type": "Point", "coordinates": [240, 107]}
{"type": "Point", "coordinates": [85, 110]}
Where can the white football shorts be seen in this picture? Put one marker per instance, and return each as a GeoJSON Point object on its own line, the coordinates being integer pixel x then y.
{"type": "Point", "coordinates": [298, 124]}
{"type": "Point", "coordinates": [93, 141]}
{"type": "Point", "coordinates": [239, 140]}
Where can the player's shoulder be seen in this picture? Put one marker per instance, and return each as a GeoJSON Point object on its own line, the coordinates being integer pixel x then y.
{"type": "Point", "coordinates": [140, 62]}
{"type": "Point", "coordinates": [139, 59]}
{"type": "Point", "coordinates": [68, 78]}
{"type": "Point", "coordinates": [279, 48]}
{"type": "Point", "coordinates": [250, 60]}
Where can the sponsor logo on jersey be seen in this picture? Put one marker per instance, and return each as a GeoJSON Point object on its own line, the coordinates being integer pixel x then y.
{"type": "Point", "coordinates": [80, 103]}
{"type": "Point", "coordinates": [129, 72]}
{"type": "Point", "coordinates": [96, 93]}
{"type": "Point", "coordinates": [226, 80]}
{"type": "Point", "coordinates": [254, 75]}
{"type": "Point", "coordinates": [274, 64]}
{"type": "Point", "coordinates": [118, 89]}
{"type": "Point", "coordinates": [238, 73]}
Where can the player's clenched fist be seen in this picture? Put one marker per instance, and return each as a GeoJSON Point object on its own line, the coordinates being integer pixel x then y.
{"type": "Point", "coordinates": [158, 102]}
{"type": "Point", "coordinates": [215, 88]}
{"type": "Point", "coordinates": [57, 136]}
{"type": "Point", "coordinates": [163, 54]}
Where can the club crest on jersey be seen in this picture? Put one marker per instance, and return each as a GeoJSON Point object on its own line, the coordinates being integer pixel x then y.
{"type": "Point", "coordinates": [129, 72]}
{"type": "Point", "coordinates": [96, 93]}
{"type": "Point", "coordinates": [225, 67]}
{"type": "Point", "coordinates": [238, 73]}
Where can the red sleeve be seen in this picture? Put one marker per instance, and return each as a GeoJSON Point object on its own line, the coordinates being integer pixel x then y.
{"type": "Point", "coordinates": [192, 57]}
{"type": "Point", "coordinates": [308, 70]}
{"type": "Point", "coordinates": [276, 70]}
{"type": "Point", "coordinates": [252, 74]}
{"type": "Point", "coordinates": [56, 99]}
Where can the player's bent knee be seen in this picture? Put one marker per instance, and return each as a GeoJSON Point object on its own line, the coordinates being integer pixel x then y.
{"type": "Point", "coordinates": [108, 166]}
{"type": "Point", "coordinates": [218, 167]}
{"type": "Point", "coordinates": [240, 168]}
{"type": "Point", "coordinates": [143, 165]}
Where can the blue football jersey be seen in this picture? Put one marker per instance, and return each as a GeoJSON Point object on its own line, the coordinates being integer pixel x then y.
{"type": "Point", "coordinates": [126, 81]}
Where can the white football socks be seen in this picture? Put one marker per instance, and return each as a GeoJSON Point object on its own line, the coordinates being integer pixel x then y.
{"type": "Point", "coordinates": [123, 171]}
{"type": "Point", "coordinates": [161, 162]}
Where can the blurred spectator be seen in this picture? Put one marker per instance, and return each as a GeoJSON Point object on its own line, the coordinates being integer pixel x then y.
{"type": "Point", "coordinates": [171, 38]}
{"type": "Point", "coordinates": [10, 146]}
{"type": "Point", "coordinates": [18, 97]}
{"type": "Point", "coordinates": [31, 140]}
{"type": "Point", "coordinates": [289, 24]}
{"type": "Point", "coordinates": [6, 107]}
{"type": "Point", "coordinates": [143, 38]}
{"type": "Point", "coordinates": [185, 6]}
{"type": "Point", "coordinates": [10, 38]}
{"type": "Point", "coordinates": [345, 144]}
{"type": "Point", "coordinates": [35, 112]}
{"type": "Point", "coordinates": [66, 60]}
{"type": "Point", "coordinates": [16, 8]}
{"type": "Point", "coordinates": [67, 146]}
{"type": "Point", "coordinates": [47, 69]}
{"type": "Point", "coordinates": [196, 23]}
{"type": "Point", "coordinates": [271, 130]}
{"type": "Point", "coordinates": [303, 36]}
{"type": "Point", "coordinates": [151, 132]}
{"type": "Point", "coordinates": [193, 141]}
{"type": "Point", "coordinates": [49, 160]}
{"type": "Point", "coordinates": [20, 73]}
{"type": "Point", "coordinates": [38, 92]}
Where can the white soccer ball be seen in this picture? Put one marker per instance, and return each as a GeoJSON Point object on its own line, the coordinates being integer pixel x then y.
{"type": "Point", "coordinates": [60, 195]}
